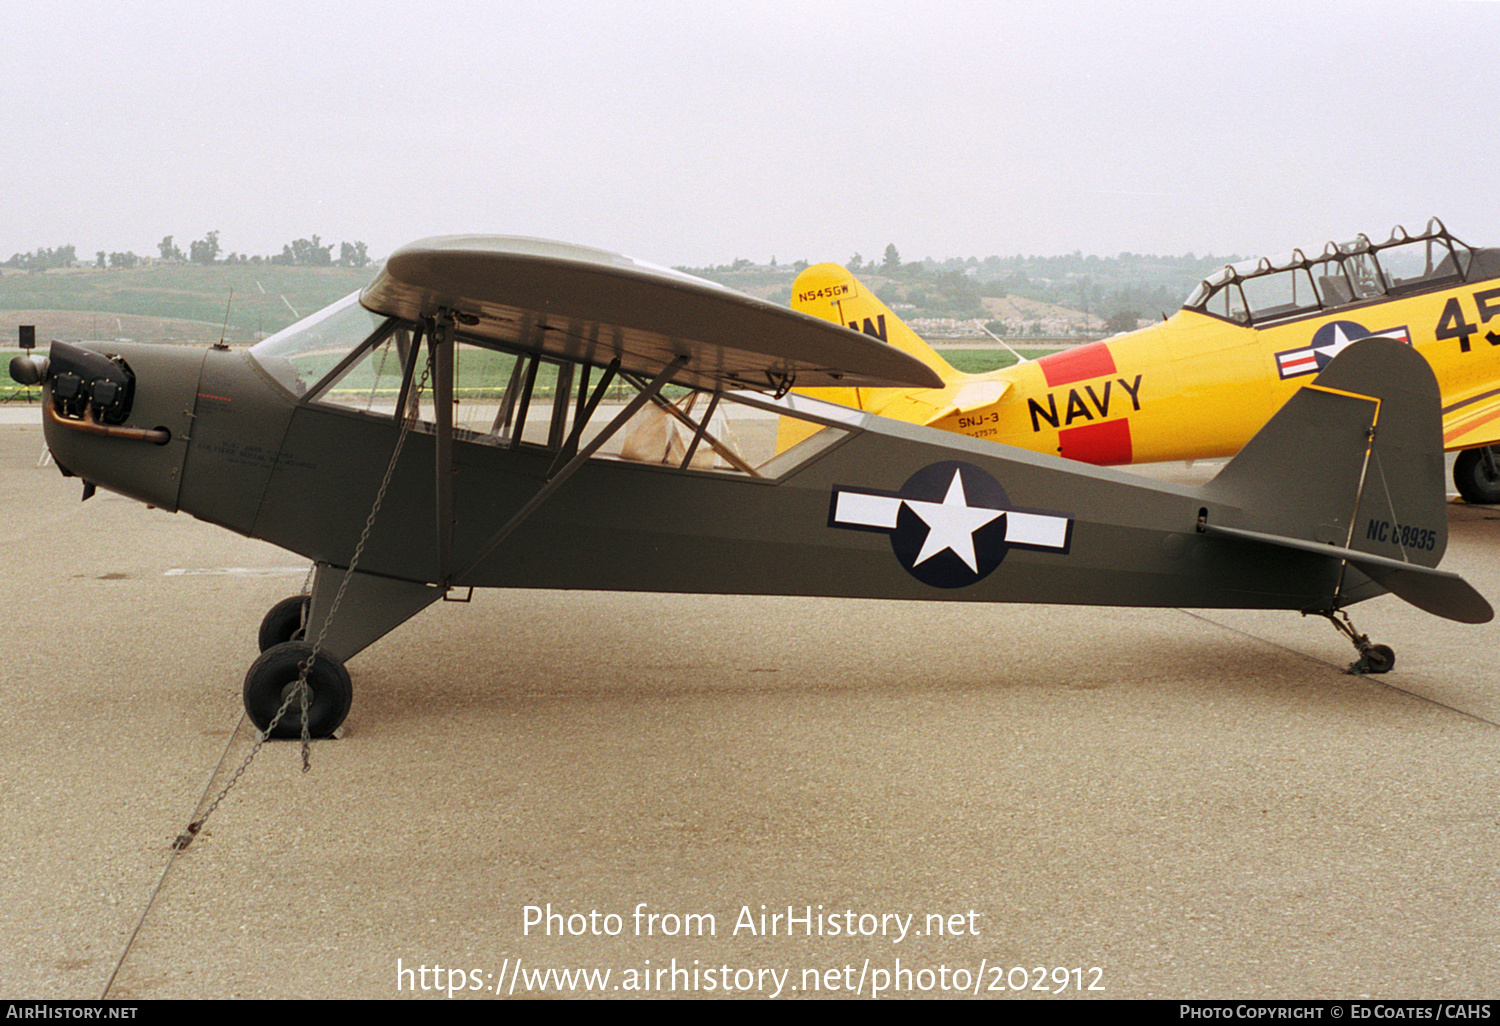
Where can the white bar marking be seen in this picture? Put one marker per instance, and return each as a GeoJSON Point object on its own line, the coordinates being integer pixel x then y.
{"type": "Point", "coordinates": [867, 510]}
{"type": "Point", "coordinates": [1036, 529]}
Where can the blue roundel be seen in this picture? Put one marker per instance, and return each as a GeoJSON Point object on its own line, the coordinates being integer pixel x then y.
{"type": "Point", "coordinates": [1338, 332]}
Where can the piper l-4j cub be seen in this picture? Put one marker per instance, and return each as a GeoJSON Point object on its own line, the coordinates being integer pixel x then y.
{"type": "Point", "coordinates": [500, 412]}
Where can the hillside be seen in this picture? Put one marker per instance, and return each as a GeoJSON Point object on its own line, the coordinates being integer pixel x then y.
{"type": "Point", "coordinates": [169, 302]}
{"type": "Point", "coordinates": [185, 302]}
{"type": "Point", "coordinates": [1020, 314]}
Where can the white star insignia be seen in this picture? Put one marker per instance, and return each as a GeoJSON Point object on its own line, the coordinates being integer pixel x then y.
{"type": "Point", "coordinates": [951, 524]}
{"type": "Point", "coordinates": [1340, 342]}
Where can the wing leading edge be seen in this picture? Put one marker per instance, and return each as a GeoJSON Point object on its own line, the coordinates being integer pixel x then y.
{"type": "Point", "coordinates": [577, 303]}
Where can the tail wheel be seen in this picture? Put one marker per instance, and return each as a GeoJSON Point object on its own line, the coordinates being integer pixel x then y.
{"type": "Point", "coordinates": [272, 680]}
{"type": "Point", "coordinates": [1477, 476]}
{"type": "Point", "coordinates": [1377, 659]}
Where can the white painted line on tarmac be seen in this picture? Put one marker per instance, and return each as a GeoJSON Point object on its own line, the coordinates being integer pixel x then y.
{"type": "Point", "coordinates": [235, 571]}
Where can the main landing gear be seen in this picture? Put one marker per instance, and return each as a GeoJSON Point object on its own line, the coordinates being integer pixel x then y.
{"type": "Point", "coordinates": [1372, 658]}
{"type": "Point", "coordinates": [299, 632]}
{"type": "Point", "coordinates": [1477, 476]}
{"type": "Point", "coordinates": [272, 680]}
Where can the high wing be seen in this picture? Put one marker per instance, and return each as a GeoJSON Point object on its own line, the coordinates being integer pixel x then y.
{"type": "Point", "coordinates": [578, 303]}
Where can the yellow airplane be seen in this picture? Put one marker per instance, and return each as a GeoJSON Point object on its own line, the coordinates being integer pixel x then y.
{"type": "Point", "coordinates": [1202, 382]}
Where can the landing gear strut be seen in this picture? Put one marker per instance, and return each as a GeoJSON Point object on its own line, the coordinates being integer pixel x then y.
{"type": "Point", "coordinates": [1372, 658]}
{"type": "Point", "coordinates": [369, 608]}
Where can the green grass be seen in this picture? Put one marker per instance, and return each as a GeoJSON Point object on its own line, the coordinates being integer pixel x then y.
{"type": "Point", "coordinates": [982, 361]}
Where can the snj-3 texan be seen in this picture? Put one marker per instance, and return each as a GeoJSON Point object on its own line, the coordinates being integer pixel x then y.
{"type": "Point", "coordinates": [1202, 382]}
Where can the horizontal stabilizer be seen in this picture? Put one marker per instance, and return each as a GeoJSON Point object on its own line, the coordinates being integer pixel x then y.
{"type": "Point", "coordinates": [1434, 591]}
{"type": "Point", "coordinates": [971, 397]}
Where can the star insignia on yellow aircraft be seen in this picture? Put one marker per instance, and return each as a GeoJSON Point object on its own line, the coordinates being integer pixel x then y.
{"type": "Point", "coordinates": [950, 524]}
{"type": "Point", "coordinates": [1329, 341]}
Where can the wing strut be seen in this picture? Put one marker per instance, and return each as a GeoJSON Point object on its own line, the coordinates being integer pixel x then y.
{"type": "Point", "coordinates": [557, 480]}
{"type": "Point", "coordinates": [440, 342]}
{"type": "Point", "coordinates": [700, 431]}
{"type": "Point", "coordinates": [585, 410]}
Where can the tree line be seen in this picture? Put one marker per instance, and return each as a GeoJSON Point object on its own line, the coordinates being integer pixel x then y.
{"type": "Point", "coordinates": [311, 252]}
{"type": "Point", "coordinates": [1117, 288]}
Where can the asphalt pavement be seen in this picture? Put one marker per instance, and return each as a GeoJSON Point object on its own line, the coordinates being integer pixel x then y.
{"type": "Point", "coordinates": [701, 796]}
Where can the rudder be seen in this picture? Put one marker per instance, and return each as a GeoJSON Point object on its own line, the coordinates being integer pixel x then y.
{"type": "Point", "coordinates": [1353, 460]}
{"type": "Point", "coordinates": [834, 294]}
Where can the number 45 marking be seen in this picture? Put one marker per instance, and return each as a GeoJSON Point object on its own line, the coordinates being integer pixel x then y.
{"type": "Point", "coordinates": [1452, 323]}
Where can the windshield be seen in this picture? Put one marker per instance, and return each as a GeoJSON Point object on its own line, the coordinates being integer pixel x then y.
{"type": "Point", "coordinates": [301, 355]}
{"type": "Point", "coordinates": [1274, 289]}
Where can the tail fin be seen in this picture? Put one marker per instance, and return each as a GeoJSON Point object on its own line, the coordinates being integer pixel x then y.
{"type": "Point", "coordinates": [1352, 466]}
{"type": "Point", "coordinates": [834, 294]}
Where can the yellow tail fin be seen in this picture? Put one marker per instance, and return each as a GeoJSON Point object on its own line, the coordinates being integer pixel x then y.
{"type": "Point", "coordinates": [834, 294]}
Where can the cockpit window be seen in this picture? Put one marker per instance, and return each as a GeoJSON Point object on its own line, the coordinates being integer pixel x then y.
{"type": "Point", "coordinates": [301, 355]}
{"type": "Point", "coordinates": [1269, 290]}
{"type": "Point", "coordinates": [349, 359]}
{"type": "Point", "coordinates": [1278, 294]}
{"type": "Point", "coordinates": [532, 402]}
{"type": "Point", "coordinates": [1409, 266]}
{"type": "Point", "coordinates": [373, 381]}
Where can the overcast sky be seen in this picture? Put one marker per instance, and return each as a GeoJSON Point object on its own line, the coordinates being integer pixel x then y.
{"type": "Point", "coordinates": [699, 132]}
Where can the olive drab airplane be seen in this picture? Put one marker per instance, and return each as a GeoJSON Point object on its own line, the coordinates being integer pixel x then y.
{"type": "Point", "coordinates": [502, 412]}
{"type": "Point", "coordinates": [1202, 382]}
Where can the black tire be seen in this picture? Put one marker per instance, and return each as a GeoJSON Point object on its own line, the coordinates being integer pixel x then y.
{"type": "Point", "coordinates": [1379, 659]}
{"type": "Point", "coordinates": [273, 677]}
{"type": "Point", "coordinates": [1475, 482]}
{"type": "Point", "coordinates": [286, 621]}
